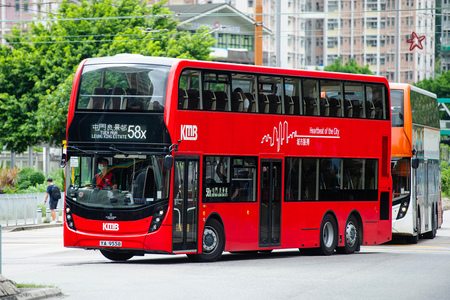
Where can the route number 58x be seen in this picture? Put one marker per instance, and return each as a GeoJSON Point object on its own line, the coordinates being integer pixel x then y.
{"type": "Point", "coordinates": [135, 132]}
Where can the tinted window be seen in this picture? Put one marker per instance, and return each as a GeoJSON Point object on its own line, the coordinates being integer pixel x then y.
{"type": "Point", "coordinates": [123, 87]}
{"type": "Point", "coordinates": [331, 179]}
{"type": "Point", "coordinates": [229, 179]}
{"type": "Point", "coordinates": [397, 108]}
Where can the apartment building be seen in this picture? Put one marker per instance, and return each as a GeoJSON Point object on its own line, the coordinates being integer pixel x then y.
{"type": "Point", "coordinates": [376, 32]}
{"type": "Point", "coordinates": [314, 33]}
{"type": "Point", "coordinates": [233, 31]}
{"type": "Point", "coordinates": [445, 36]}
{"type": "Point", "coordinates": [19, 12]}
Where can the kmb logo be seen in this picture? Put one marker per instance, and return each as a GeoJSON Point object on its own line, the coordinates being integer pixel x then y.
{"type": "Point", "coordinates": [189, 132]}
{"type": "Point", "coordinates": [111, 226]}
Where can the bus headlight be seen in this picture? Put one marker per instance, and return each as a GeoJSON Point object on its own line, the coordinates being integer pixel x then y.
{"type": "Point", "coordinates": [157, 219]}
{"type": "Point", "coordinates": [403, 208]}
{"type": "Point", "coordinates": [69, 217]}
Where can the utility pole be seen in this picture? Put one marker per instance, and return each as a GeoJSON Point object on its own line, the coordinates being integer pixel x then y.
{"type": "Point", "coordinates": [398, 23]}
{"type": "Point", "coordinates": [278, 51]}
{"type": "Point", "coordinates": [4, 21]}
{"type": "Point", "coordinates": [258, 32]}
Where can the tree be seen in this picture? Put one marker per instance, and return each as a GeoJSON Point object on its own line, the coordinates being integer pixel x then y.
{"type": "Point", "coordinates": [440, 85]}
{"type": "Point", "coordinates": [35, 75]}
{"type": "Point", "coordinates": [351, 66]}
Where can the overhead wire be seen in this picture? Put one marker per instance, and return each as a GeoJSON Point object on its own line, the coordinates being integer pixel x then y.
{"type": "Point", "coordinates": [225, 15]}
{"type": "Point", "coordinates": [212, 29]}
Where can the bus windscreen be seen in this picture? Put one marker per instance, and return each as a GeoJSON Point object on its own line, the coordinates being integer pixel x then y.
{"type": "Point", "coordinates": [123, 87]}
{"type": "Point", "coordinates": [397, 108]}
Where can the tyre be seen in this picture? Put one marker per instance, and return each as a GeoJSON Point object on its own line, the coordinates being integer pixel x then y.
{"type": "Point", "coordinates": [351, 236]}
{"type": "Point", "coordinates": [213, 242]}
{"type": "Point", "coordinates": [117, 256]}
{"type": "Point", "coordinates": [412, 239]}
{"type": "Point", "coordinates": [328, 235]}
{"type": "Point", "coordinates": [432, 234]}
{"type": "Point", "coordinates": [415, 238]}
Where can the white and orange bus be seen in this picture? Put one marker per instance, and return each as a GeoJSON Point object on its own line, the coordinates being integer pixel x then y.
{"type": "Point", "coordinates": [415, 162]}
{"type": "Point", "coordinates": [211, 157]}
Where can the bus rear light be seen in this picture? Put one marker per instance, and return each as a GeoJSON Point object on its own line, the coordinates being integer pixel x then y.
{"type": "Point", "coordinates": [403, 208]}
{"type": "Point", "coordinates": [69, 218]}
{"type": "Point", "coordinates": [157, 219]}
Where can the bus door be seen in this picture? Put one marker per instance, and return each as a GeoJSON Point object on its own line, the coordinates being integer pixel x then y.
{"type": "Point", "coordinates": [427, 220]}
{"type": "Point", "coordinates": [185, 206]}
{"type": "Point", "coordinates": [270, 203]}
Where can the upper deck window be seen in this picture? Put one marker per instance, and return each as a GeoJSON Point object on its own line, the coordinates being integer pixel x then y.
{"type": "Point", "coordinates": [128, 87]}
{"type": "Point", "coordinates": [240, 92]}
{"type": "Point", "coordinates": [397, 108]}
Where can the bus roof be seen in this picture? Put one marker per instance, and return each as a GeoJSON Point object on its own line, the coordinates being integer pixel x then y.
{"type": "Point", "coordinates": [404, 86]}
{"type": "Point", "coordinates": [166, 61]}
{"type": "Point", "coordinates": [132, 58]}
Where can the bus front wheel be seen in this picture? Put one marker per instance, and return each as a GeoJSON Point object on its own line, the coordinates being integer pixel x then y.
{"type": "Point", "coordinates": [328, 235]}
{"type": "Point", "coordinates": [213, 242]}
{"type": "Point", "coordinates": [117, 256]}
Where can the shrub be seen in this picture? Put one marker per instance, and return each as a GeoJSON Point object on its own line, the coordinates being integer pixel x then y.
{"type": "Point", "coordinates": [445, 179]}
{"type": "Point", "coordinates": [38, 188]}
{"type": "Point", "coordinates": [30, 177]}
{"type": "Point", "coordinates": [24, 184]}
{"type": "Point", "coordinates": [8, 180]}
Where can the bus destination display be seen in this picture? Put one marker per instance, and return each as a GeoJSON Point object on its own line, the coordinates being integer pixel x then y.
{"type": "Point", "coordinates": [118, 131]}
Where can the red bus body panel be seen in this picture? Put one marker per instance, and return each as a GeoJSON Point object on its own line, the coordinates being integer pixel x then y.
{"type": "Point", "coordinates": [262, 136]}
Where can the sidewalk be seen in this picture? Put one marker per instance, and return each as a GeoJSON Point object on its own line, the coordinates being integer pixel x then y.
{"type": "Point", "coordinates": [30, 226]}
{"type": "Point", "coordinates": [8, 289]}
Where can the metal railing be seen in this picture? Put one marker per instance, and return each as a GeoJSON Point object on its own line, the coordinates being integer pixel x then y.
{"type": "Point", "coordinates": [21, 209]}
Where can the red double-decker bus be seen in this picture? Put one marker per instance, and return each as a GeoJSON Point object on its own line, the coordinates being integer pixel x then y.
{"type": "Point", "coordinates": [192, 157]}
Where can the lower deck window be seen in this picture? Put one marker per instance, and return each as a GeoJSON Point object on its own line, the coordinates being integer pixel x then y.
{"type": "Point", "coordinates": [229, 179]}
{"type": "Point", "coordinates": [331, 179]}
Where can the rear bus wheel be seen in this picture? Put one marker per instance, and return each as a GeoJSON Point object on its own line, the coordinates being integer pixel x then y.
{"type": "Point", "coordinates": [432, 234]}
{"type": "Point", "coordinates": [328, 235]}
{"type": "Point", "coordinates": [351, 236]}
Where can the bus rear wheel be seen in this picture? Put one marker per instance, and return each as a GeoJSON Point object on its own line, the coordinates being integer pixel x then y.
{"type": "Point", "coordinates": [351, 236]}
{"type": "Point", "coordinates": [213, 242]}
{"type": "Point", "coordinates": [117, 256]}
{"type": "Point", "coordinates": [432, 234]}
{"type": "Point", "coordinates": [328, 235]}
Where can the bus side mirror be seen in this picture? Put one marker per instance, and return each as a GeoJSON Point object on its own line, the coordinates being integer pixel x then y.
{"type": "Point", "coordinates": [415, 163]}
{"type": "Point", "coordinates": [168, 162]}
{"type": "Point", "coordinates": [62, 164]}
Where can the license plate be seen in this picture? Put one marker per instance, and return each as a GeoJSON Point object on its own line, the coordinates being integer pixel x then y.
{"type": "Point", "coordinates": [111, 243]}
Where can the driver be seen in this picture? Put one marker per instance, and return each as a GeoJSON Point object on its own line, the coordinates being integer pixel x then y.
{"type": "Point", "coordinates": [104, 179]}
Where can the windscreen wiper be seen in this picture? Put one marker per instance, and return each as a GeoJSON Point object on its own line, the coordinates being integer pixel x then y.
{"type": "Point", "coordinates": [112, 147]}
{"type": "Point", "coordinates": [78, 149]}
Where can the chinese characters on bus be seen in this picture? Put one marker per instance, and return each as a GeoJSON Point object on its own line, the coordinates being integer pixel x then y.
{"type": "Point", "coordinates": [118, 131]}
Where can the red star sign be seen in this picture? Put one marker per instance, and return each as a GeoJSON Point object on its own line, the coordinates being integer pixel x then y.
{"type": "Point", "coordinates": [413, 42]}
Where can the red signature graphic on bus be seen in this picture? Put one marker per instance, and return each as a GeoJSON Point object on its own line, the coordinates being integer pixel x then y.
{"type": "Point", "coordinates": [281, 135]}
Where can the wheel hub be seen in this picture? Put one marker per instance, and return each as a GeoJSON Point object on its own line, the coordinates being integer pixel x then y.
{"type": "Point", "coordinates": [209, 240]}
{"type": "Point", "coordinates": [328, 235]}
{"type": "Point", "coordinates": [351, 234]}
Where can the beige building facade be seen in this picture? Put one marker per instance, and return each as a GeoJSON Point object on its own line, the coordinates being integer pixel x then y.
{"type": "Point", "coordinates": [313, 34]}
